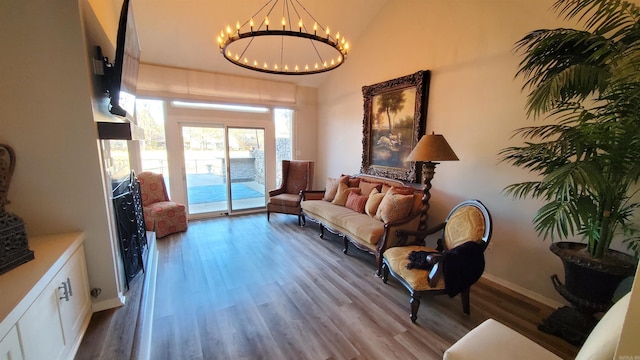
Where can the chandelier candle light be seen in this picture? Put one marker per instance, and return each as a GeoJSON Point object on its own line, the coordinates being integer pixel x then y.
{"type": "Point", "coordinates": [300, 46]}
{"type": "Point", "coordinates": [429, 149]}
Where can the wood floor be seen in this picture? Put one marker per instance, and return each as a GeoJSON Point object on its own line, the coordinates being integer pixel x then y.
{"type": "Point", "coordinates": [244, 288]}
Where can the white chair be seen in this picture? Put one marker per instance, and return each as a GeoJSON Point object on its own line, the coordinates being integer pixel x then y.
{"type": "Point", "coordinates": [493, 340]}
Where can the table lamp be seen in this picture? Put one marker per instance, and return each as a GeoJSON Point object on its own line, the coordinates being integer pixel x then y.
{"type": "Point", "coordinates": [430, 148]}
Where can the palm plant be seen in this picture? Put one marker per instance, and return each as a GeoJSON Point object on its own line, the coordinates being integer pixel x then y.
{"type": "Point", "coordinates": [587, 83]}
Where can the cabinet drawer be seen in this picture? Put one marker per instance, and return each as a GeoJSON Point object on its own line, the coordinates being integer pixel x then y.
{"type": "Point", "coordinates": [40, 328]}
{"type": "Point", "coordinates": [10, 346]}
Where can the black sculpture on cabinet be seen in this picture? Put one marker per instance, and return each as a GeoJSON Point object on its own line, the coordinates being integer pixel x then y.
{"type": "Point", "coordinates": [14, 245]}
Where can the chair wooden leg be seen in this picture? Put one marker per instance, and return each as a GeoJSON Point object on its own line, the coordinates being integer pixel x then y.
{"type": "Point", "coordinates": [268, 215]}
{"type": "Point", "coordinates": [415, 305]}
{"type": "Point", "coordinates": [346, 244]}
{"type": "Point", "coordinates": [379, 264]}
{"type": "Point", "coordinates": [464, 295]}
{"type": "Point", "coordinates": [385, 273]}
{"type": "Point", "coordinates": [321, 231]}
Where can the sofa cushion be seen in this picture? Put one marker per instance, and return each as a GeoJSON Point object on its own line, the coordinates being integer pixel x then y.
{"type": "Point", "coordinates": [371, 207]}
{"type": "Point", "coordinates": [343, 193]}
{"type": "Point", "coordinates": [493, 340]}
{"type": "Point", "coordinates": [418, 279]}
{"type": "Point", "coordinates": [358, 226]}
{"type": "Point", "coordinates": [394, 207]}
{"type": "Point", "coordinates": [356, 202]}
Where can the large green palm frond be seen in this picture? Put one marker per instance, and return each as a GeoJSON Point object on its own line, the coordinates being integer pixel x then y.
{"type": "Point", "coordinates": [563, 65]}
{"type": "Point", "coordinates": [600, 16]}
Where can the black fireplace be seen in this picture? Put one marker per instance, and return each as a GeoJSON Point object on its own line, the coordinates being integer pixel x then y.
{"type": "Point", "coordinates": [132, 236]}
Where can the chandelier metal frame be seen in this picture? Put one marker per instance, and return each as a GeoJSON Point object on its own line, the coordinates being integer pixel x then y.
{"type": "Point", "coordinates": [289, 8]}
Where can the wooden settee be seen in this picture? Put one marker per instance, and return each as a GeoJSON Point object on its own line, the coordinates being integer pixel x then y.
{"type": "Point", "coordinates": [373, 231]}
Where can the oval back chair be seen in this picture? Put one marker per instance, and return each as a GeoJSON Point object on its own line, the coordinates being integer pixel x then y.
{"type": "Point", "coordinates": [450, 268]}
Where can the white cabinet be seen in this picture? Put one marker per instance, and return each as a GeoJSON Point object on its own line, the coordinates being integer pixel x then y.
{"type": "Point", "coordinates": [40, 328]}
{"type": "Point", "coordinates": [50, 318]}
{"type": "Point", "coordinates": [10, 346]}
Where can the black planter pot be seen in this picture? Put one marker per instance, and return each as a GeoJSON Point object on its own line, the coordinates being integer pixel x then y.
{"type": "Point", "coordinates": [589, 286]}
{"type": "Point", "coordinates": [590, 283]}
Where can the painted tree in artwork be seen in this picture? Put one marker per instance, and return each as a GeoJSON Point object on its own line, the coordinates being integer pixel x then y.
{"type": "Point", "coordinates": [391, 103]}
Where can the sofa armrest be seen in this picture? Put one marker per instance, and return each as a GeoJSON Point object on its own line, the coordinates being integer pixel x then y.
{"type": "Point", "coordinates": [312, 194]}
{"type": "Point", "coordinates": [391, 230]}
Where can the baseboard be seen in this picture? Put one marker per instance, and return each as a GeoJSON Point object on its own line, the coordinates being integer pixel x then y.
{"type": "Point", "coordinates": [109, 303]}
{"type": "Point", "coordinates": [523, 291]}
{"type": "Point", "coordinates": [142, 338]}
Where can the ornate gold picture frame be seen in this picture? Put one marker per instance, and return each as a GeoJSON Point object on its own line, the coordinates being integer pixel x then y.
{"type": "Point", "coordinates": [395, 113]}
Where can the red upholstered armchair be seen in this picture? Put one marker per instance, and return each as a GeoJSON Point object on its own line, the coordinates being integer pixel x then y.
{"type": "Point", "coordinates": [160, 214]}
{"type": "Point", "coordinates": [297, 175]}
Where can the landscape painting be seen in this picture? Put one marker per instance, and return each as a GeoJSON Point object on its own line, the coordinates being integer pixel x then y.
{"type": "Point", "coordinates": [394, 121]}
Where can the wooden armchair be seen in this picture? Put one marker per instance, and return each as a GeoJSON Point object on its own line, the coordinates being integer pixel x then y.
{"type": "Point", "coordinates": [451, 268]}
{"type": "Point", "coordinates": [297, 175]}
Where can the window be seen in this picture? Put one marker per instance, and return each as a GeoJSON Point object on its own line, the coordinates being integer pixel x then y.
{"type": "Point", "coordinates": [283, 119]}
{"type": "Point", "coordinates": [153, 150]}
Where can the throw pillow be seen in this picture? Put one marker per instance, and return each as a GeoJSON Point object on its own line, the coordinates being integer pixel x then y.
{"type": "Point", "coordinates": [331, 187]}
{"type": "Point", "coordinates": [366, 186]}
{"type": "Point", "coordinates": [417, 204]}
{"type": "Point", "coordinates": [403, 190]}
{"type": "Point", "coordinates": [356, 202]}
{"type": "Point", "coordinates": [352, 181]}
{"type": "Point", "coordinates": [343, 193]}
{"type": "Point", "coordinates": [394, 207]}
{"type": "Point", "coordinates": [375, 197]}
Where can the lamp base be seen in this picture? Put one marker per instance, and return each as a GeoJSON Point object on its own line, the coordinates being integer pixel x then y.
{"type": "Point", "coordinates": [428, 171]}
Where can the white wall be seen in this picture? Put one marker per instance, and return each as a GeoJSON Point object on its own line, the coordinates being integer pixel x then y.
{"type": "Point", "coordinates": [46, 116]}
{"type": "Point", "coordinates": [474, 101]}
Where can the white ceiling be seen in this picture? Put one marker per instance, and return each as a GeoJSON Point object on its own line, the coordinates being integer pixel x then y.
{"type": "Point", "coordinates": [182, 33]}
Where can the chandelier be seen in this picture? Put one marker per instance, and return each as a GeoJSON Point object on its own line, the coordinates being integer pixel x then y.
{"type": "Point", "coordinates": [296, 44]}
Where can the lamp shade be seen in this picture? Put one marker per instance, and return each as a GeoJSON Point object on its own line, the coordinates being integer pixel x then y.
{"type": "Point", "coordinates": [432, 147]}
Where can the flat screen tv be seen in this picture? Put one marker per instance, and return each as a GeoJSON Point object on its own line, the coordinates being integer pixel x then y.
{"type": "Point", "coordinates": [120, 77]}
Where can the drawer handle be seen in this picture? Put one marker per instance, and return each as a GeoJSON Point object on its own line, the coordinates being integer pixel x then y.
{"type": "Point", "coordinates": [65, 292]}
{"type": "Point", "coordinates": [69, 287]}
{"type": "Point", "coordinates": [66, 289]}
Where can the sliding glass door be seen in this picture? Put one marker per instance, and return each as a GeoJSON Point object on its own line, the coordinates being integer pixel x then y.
{"type": "Point", "coordinates": [224, 168]}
